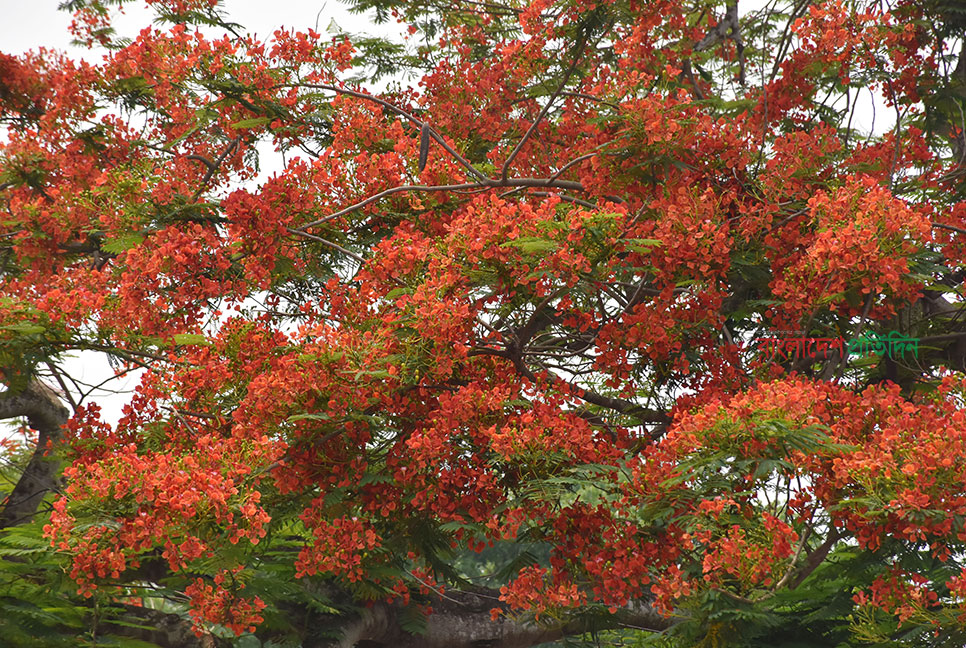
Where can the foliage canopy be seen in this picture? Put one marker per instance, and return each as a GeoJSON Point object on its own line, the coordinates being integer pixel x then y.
{"type": "Point", "coordinates": [495, 339]}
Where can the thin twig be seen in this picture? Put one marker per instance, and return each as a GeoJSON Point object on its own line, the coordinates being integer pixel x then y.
{"type": "Point", "coordinates": [326, 242]}
{"type": "Point", "coordinates": [951, 228]}
{"type": "Point", "coordinates": [564, 198]}
{"type": "Point", "coordinates": [63, 386]}
{"type": "Point", "coordinates": [181, 418]}
{"type": "Point", "coordinates": [573, 162]}
{"type": "Point", "coordinates": [546, 108]}
{"type": "Point", "coordinates": [584, 95]}
{"type": "Point", "coordinates": [486, 183]}
{"type": "Point", "coordinates": [395, 109]}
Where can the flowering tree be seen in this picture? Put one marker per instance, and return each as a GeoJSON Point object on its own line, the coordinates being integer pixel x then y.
{"type": "Point", "coordinates": [494, 356]}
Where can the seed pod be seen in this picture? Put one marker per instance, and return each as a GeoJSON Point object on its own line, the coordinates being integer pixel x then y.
{"type": "Point", "coordinates": [423, 146]}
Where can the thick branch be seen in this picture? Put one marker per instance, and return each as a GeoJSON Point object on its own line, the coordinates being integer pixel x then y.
{"type": "Point", "coordinates": [483, 184]}
{"type": "Point", "coordinates": [160, 628]}
{"type": "Point", "coordinates": [816, 557]}
{"type": "Point", "coordinates": [463, 620]}
{"type": "Point", "coordinates": [46, 414]}
{"type": "Point", "coordinates": [213, 166]}
{"type": "Point", "coordinates": [728, 27]}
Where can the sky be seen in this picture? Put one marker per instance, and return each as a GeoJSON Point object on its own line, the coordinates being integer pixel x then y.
{"type": "Point", "coordinates": [32, 23]}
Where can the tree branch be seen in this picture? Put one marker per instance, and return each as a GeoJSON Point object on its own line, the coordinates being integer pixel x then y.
{"type": "Point", "coordinates": [816, 557]}
{"type": "Point", "coordinates": [397, 110]}
{"type": "Point", "coordinates": [46, 414]}
{"type": "Point", "coordinates": [483, 184]}
{"type": "Point", "coordinates": [546, 108]}
{"type": "Point", "coordinates": [462, 619]}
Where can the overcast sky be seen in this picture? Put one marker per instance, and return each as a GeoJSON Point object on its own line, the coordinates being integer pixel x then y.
{"type": "Point", "coordinates": [27, 24]}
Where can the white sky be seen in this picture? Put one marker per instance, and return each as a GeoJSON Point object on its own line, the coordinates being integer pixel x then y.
{"type": "Point", "coordinates": [28, 24]}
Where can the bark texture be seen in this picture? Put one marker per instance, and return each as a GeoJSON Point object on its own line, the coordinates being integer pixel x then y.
{"type": "Point", "coordinates": [162, 629]}
{"type": "Point", "coordinates": [463, 620]}
{"type": "Point", "coordinates": [45, 413]}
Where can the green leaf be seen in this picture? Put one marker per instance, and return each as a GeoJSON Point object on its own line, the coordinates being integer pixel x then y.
{"type": "Point", "coordinates": [643, 245]}
{"type": "Point", "coordinates": [412, 619]}
{"type": "Point", "coordinates": [532, 245]}
{"type": "Point", "coordinates": [122, 243]}
{"type": "Point", "coordinates": [309, 417]}
{"type": "Point", "coordinates": [254, 122]}
{"type": "Point", "coordinates": [248, 641]}
{"type": "Point", "coordinates": [190, 338]}
{"type": "Point", "coordinates": [25, 328]}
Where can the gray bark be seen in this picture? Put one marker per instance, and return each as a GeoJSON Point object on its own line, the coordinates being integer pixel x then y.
{"type": "Point", "coordinates": [45, 413]}
{"type": "Point", "coordinates": [462, 620]}
{"type": "Point", "coordinates": [162, 629]}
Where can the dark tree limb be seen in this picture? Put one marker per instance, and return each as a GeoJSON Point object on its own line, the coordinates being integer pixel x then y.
{"type": "Point", "coordinates": [619, 405]}
{"type": "Point", "coordinates": [212, 166]}
{"type": "Point", "coordinates": [45, 413]}
{"type": "Point", "coordinates": [727, 27]}
{"type": "Point", "coordinates": [463, 620]}
{"type": "Point", "coordinates": [160, 628]}
{"type": "Point", "coordinates": [815, 557]}
{"type": "Point", "coordinates": [483, 184]}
